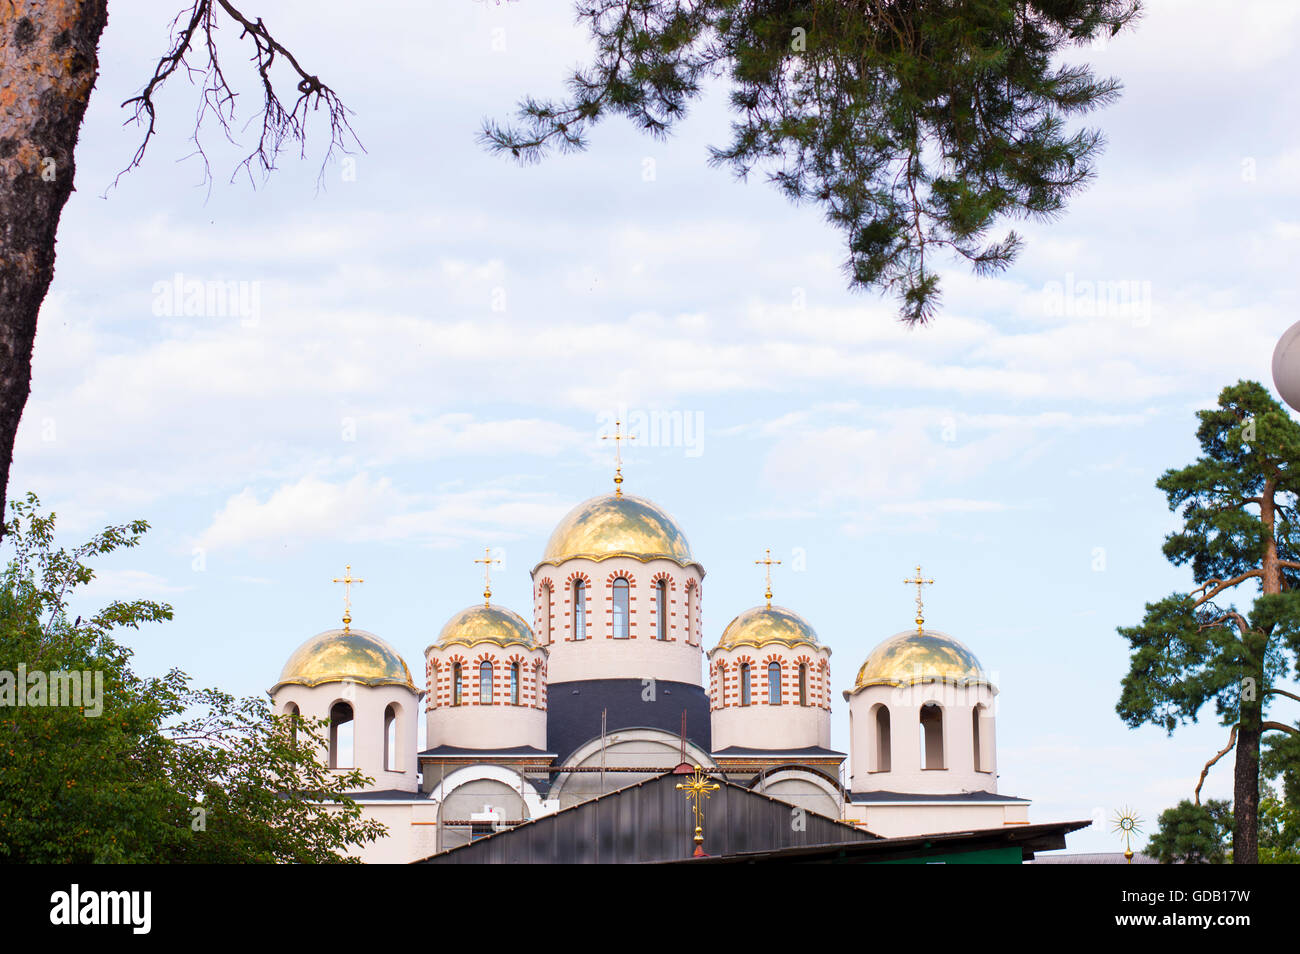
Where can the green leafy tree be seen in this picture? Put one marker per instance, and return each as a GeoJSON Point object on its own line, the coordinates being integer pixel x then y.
{"type": "Point", "coordinates": [1279, 812]}
{"type": "Point", "coordinates": [917, 125]}
{"type": "Point", "coordinates": [1238, 507]}
{"type": "Point", "coordinates": [151, 770]}
{"type": "Point", "coordinates": [1192, 833]}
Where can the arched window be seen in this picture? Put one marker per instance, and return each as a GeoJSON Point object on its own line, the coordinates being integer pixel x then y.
{"type": "Point", "coordinates": [546, 613]}
{"type": "Point", "coordinates": [341, 735]}
{"type": "Point", "coordinates": [291, 710]}
{"type": "Point", "coordinates": [883, 746]}
{"type": "Point", "coordinates": [457, 684]}
{"type": "Point", "coordinates": [690, 610]}
{"type": "Point", "coordinates": [579, 610]}
{"type": "Point", "coordinates": [803, 684]}
{"type": "Point", "coordinates": [931, 736]}
{"type": "Point", "coordinates": [620, 608]}
{"type": "Point", "coordinates": [485, 683]}
{"type": "Point", "coordinates": [390, 739]}
{"type": "Point", "coordinates": [979, 729]}
{"type": "Point", "coordinates": [744, 684]}
{"type": "Point", "coordinates": [722, 684]}
{"type": "Point", "coordinates": [514, 684]}
{"type": "Point", "coordinates": [774, 684]}
{"type": "Point", "coordinates": [661, 609]}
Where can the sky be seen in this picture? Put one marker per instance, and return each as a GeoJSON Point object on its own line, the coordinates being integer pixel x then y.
{"type": "Point", "coordinates": [429, 341]}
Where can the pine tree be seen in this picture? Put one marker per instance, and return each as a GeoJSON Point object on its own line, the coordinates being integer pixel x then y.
{"type": "Point", "coordinates": [1240, 527]}
{"type": "Point", "coordinates": [917, 125]}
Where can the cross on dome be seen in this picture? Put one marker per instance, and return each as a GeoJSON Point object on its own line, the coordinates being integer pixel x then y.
{"type": "Point", "coordinates": [618, 438]}
{"type": "Point", "coordinates": [767, 563]}
{"type": "Point", "coordinates": [347, 579]}
{"type": "Point", "coordinates": [920, 614]}
{"type": "Point", "coordinates": [487, 560]}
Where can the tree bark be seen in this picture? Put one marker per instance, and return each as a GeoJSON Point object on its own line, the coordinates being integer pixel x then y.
{"type": "Point", "coordinates": [49, 60]}
{"type": "Point", "coordinates": [1245, 788]}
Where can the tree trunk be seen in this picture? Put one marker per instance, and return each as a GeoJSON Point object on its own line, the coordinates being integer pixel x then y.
{"type": "Point", "coordinates": [1245, 787]}
{"type": "Point", "coordinates": [49, 59]}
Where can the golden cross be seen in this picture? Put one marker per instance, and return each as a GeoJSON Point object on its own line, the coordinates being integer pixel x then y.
{"type": "Point", "coordinates": [767, 565]}
{"type": "Point", "coordinates": [618, 439]}
{"type": "Point", "coordinates": [487, 560]}
{"type": "Point", "coordinates": [920, 615]}
{"type": "Point", "coordinates": [696, 787]}
{"type": "Point", "coordinates": [347, 579]}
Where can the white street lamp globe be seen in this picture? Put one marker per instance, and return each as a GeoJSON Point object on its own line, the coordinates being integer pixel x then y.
{"type": "Point", "coordinates": [1286, 366]}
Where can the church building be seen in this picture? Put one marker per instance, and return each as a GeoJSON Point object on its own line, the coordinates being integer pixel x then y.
{"type": "Point", "coordinates": [610, 680]}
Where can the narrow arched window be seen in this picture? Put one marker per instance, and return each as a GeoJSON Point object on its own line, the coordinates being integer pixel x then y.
{"type": "Point", "coordinates": [390, 739]}
{"type": "Point", "coordinates": [931, 736]}
{"type": "Point", "coordinates": [803, 684]}
{"type": "Point", "coordinates": [882, 740]}
{"type": "Point", "coordinates": [774, 684]}
{"type": "Point", "coordinates": [579, 610]}
{"type": "Point", "coordinates": [661, 609]}
{"type": "Point", "coordinates": [457, 683]}
{"type": "Point", "coordinates": [690, 611]}
{"type": "Point", "coordinates": [514, 684]}
{"type": "Point", "coordinates": [546, 613]}
{"type": "Point", "coordinates": [620, 608]}
{"type": "Point", "coordinates": [295, 716]}
{"type": "Point", "coordinates": [341, 735]}
{"type": "Point", "coordinates": [744, 684]}
{"type": "Point", "coordinates": [485, 683]}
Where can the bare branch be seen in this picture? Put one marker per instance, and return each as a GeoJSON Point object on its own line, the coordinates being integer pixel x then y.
{"type": "Point", "coordinates": [281, 122]}
{"type": "Point", "coordinates": [1279, 727]}
{"type": "Point", "coordinates": [1220, 585]}
{"type": "Point", "coordinates": [1281, 692]}
{"type": "Point", "coordinates": [1232, 740]}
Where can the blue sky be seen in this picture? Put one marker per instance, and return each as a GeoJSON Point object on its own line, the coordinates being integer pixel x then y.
{"type": "Point", "coordinates": [440, 336]}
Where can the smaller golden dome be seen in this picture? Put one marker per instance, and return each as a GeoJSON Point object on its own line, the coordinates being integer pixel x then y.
{"type": "Point", "coordinates": [911, 657]}
{"type": "Point", "coordinates": [345, 655]}
{"type": "Point", "coordinates": [486, 624]}
{"type": "Point", "coordinates": [764, 625]}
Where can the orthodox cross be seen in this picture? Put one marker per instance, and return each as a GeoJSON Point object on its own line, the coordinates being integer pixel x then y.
{"type": "Point", "coordinates": [920, 614]}
{"type": "Point", "coordinates": [696, 787]}
{"type": "Point", "coordinates": [767, 565]}
{"type": "Point", "coordinates": [347, 579]}
{"type": "Point", "coordinates": [618, 440]}
{"type": "Point", "coordinates": [487, 560]}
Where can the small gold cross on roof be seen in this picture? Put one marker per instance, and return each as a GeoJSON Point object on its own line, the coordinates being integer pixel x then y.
{"type": "Point", "coordinates": [347, 579]}
{"type": "Point", "coordinates": [618, 438]}
{"type": "Point", "coordinates": [920, 615]}
{"type": "Point", "coordinates": [696, 787]}
{"type": "Point", "coordinates": [487, 560]}
{"type": "Point", "coordinates": [767, 564]}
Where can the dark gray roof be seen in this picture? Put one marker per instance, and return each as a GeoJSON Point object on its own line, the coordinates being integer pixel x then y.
{"type": "Point", "coordinates": [452, 751]}
{"type": "Point", "coordinates": [574, 708]}
{"type": "Point", "coordinates": [389, 795]}
{"type": "Point", "coordinates": [1096, 858]}
{"type": "Point", "coordinates": [650, 821]}
{"type": "Point", "coordinates": [870, 797]}
{"type": "Point", "coordinates": [812, 751]}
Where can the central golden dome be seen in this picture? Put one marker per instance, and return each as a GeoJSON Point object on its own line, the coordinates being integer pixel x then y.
{"type": "Point", "coordinates": [911, 657]}
{"type": "Point", "coordinates": [486, 624]}
{"type": "Point", "coordinates": [345, 655]}
{"type": "Point", "coordinates": [617, 525]}
{"type": "Point", "coordinates": [763, 625]}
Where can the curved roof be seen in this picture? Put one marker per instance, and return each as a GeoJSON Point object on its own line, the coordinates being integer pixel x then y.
{"type": "Point", "coordinates": [345, 655]}
{"type": "Point", "coordinates": [617, 525]}
{"type": "Point", "coordinates": [927, 656]}
{"type": "Point", "coordinates": [486, 624]}
{"type": "Point", "coordinates": [764, 625]}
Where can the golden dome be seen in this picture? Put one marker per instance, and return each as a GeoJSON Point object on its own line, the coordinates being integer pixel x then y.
{"type": "Point", "coordinates": [912, 657]}
{"type": "Point", "coordinates": [339, 655]}
{"type": "Point", "coordinates": [486, 624]}
{"type": "Point", "coordinates": [764, 625]}
{"type": "Point", "coordinates": [617, 525]}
